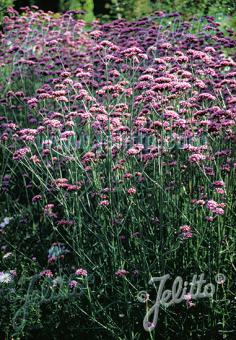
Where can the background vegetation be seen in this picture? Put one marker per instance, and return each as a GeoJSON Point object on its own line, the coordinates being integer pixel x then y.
{"type": "Point", "coordinates": [223, 10]}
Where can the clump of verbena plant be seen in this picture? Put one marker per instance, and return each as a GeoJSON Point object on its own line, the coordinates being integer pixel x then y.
{"type": "Point", "coordinates": [118, 165]}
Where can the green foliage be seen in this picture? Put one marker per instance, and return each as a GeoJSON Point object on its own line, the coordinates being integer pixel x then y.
{"type": "Point", "coordinates": [223, 10]}
{"type": "Point", "coordinates": [199, 8]}
{"type": "Point", "coordinates": [3, 6]}
{"type": "Point", "coordinates": [85, 5]}
{"type": "Point", "coordinates": [129, 9]}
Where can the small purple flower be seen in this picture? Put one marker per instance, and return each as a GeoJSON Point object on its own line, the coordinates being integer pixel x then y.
{"type": "Point", "coordinates": [121, 272]}
{"type": "Point", "coordinates": [46, 273]}
{"type": "Point", "coordinates": [73, 284]}
{"type": "Point", "coordinates": [81, 272]}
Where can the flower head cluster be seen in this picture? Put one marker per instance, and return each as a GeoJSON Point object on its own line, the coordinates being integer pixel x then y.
{"type": "Point", "coordinates": [186, 231]}
{"type": "Point", "coordinates": [217, 208]}
{"type": "Point", "coordinates": [121, 272]}
{"type": "Point", "coordinates": [81, 272]}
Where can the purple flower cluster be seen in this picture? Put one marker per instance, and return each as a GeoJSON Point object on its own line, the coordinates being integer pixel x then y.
{"type": "Point", "coordinates": [119, 92]}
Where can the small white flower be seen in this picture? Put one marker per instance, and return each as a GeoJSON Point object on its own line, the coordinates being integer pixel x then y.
{"type": "Point", "coordinates": [6, 220]}
{"type": "Point", "coordinates": [5, 277]}
{"type": "Point", "coordinates": [5, 256]}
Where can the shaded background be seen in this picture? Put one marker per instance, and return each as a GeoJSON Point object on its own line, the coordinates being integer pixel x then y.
{"type": "Point", "coordinates": [106, 10]}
